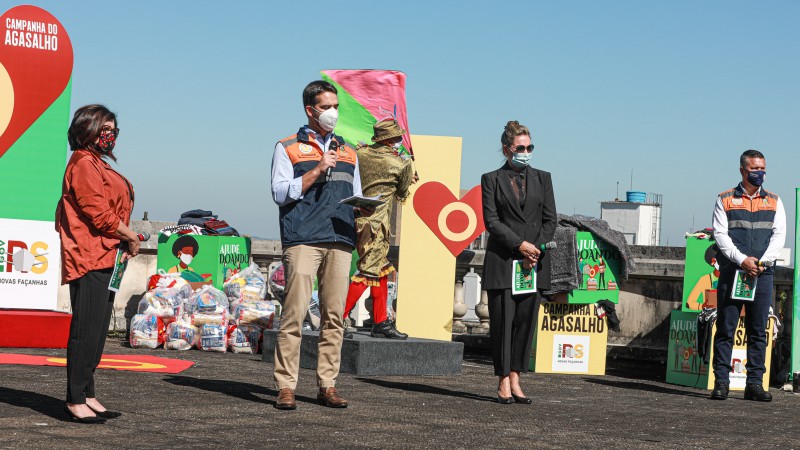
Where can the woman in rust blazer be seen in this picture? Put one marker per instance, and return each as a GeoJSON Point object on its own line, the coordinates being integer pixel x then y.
{"type": "Point", "coordinates": [519, 211]}
{"type": "Point", "coordinates": [92, 219]}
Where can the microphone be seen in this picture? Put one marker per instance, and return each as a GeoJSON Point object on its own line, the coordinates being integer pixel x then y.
{"type": "Point", "coordinates": [334, 145]}
{"type": "Point", "coordinates": [766, 264]}
{"type": "Point", "coordinates": [143, 236]}
{"type": "Point", "coordinates": [549, 246]}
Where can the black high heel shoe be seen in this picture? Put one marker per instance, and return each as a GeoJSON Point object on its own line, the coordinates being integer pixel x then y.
{"type": "Point", "coordinates": [523, 400]}
{"type": "Point", "coordinates": [504, 400]}
{"type": "Point", "coordinates": [107, 414]}
{"type": "Point", "coordinates": [95, 419]}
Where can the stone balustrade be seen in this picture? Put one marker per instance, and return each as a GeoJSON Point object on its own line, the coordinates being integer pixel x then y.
{"type": "Point", "coordinates": [646, 298]}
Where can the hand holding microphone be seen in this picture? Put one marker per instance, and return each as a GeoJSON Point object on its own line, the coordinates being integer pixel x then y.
{"type": "Point", "coordinates": [329, 158]}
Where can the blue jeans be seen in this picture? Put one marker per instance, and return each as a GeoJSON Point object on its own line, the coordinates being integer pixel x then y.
{"type": "Point", "coordinates": [755, 322]}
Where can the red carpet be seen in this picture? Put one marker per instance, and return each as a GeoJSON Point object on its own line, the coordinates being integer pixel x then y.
{"type": "Point", "coordinates": [136, 363]}
{"type": "Point", "coordinates": [28, 328]}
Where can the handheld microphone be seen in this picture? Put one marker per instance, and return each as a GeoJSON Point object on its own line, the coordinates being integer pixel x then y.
{"type": "Point", "coordinates": [766, 264]}
{"type": "Point", "coordinates": [143, 236]}
{"type": "Point", "coordinates": [549, 246]}
{"type": "Point", "coordinates": [334, 145]}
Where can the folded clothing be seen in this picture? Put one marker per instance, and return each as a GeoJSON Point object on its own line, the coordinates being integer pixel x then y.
{"type": "Point", "coordinates": [198, 213]}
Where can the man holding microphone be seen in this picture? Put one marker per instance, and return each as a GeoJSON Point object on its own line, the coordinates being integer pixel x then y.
{"type": "Point", "coordinates": [312, 171]}
{"type": "Point", "coordinates": [750, 229]}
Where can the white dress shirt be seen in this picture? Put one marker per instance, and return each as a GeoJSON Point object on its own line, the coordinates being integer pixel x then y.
{"type": "Point", "coordinates": [719, 222]}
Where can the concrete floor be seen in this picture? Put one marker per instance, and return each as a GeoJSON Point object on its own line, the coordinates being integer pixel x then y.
{"type": "Point", "coordinates": [226, 400]}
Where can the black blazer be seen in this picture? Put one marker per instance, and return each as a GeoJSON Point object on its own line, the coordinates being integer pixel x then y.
{"type": "Point", "coordinates": [509, 225]}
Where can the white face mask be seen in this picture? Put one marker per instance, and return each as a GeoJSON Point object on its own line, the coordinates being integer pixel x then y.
{"type": "Point", "coordinates": [186, 258]}
{"type": "Point", "coordinates": [327, 119]}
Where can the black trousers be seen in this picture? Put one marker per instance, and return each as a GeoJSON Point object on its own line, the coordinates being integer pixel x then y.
{"type": "Point", "coordinates": [92, 303]}
{"type": "Point", "coordinates": [511, 324]}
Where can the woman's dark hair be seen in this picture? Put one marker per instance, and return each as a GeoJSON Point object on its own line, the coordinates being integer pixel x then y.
{"type": "Point", "coordinates": [184, 241]}
{"type": "Point", "coordinates": [315, 88]}
{"type": "Point", "coordinates": [86, 126]}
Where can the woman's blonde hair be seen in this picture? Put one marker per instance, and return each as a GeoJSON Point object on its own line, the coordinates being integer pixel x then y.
{"type": "Point", "coordinates": [512, 130]}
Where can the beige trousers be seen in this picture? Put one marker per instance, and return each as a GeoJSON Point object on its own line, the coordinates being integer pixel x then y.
{"type": "Point", "coordinates": [331, 264]}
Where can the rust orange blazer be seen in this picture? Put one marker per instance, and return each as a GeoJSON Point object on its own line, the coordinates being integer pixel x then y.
{"type": "Point", "coordinates": [94, 200]}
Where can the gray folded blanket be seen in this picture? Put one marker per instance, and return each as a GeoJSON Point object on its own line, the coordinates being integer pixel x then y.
{"type": "Point", "coordinates": [564, 260]}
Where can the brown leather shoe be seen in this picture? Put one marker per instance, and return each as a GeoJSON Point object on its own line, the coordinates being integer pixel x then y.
{"type": "Point", "coordinates": [330, 398]}
{"type": "Point", "coordinates": [286, 399]}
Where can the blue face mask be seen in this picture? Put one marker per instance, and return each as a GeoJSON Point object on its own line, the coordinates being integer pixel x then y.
{"type": "Point", "coordinates": [520, 160]}
{"type": "Point", "coordinates": [756, 177]}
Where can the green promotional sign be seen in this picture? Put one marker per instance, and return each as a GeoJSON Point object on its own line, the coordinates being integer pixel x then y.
{"type": "Point", "coordinates": [684, 365]}
{"type": "Point", "coordinates": [796, 296]}
{"type": "Point", "coordinates": [598, 264]}
{"type": "Point", "coordinates": [35, 86]}
{"type": "Point", "coordinates": [700, 274]}
{"type": "Point", "coordinates": [203, 259]}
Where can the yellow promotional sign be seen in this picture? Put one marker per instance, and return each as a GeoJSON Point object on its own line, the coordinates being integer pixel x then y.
{"type": "Point", "coordinates": [738, 375]}
{"type": "Point", "coordinates": [569, 338]}
{"type": "Point", "coordinates": [427, 269]}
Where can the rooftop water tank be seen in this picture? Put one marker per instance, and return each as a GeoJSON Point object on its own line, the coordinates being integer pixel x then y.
{"type": "Point", "coordinates": [636, 196]}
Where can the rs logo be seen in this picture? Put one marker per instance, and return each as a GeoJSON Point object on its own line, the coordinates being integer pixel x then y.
{"type": "Point", "coordinates": [17, 256]}
{"type": "Point", "coordinates": [570, 351]}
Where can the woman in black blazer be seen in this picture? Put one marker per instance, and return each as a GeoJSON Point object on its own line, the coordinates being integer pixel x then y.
{"type": "Point", "coordinates": [519, 211]}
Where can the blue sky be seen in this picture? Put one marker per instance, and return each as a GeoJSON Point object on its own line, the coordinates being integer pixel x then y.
{"type": "Point", "coordinates": [671, 91]}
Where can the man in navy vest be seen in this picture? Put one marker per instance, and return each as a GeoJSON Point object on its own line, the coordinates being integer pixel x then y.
{"type": "Point", "coordinates": [750, 229]}
{"type": "Point", "coordinates": [311, 172]}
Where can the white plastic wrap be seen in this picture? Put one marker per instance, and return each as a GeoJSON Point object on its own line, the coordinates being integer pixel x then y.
{"type": "Point", "coordinates": [256, 313]}
{"type": "Point", "coordinates": [207, 300]}
{"type": "Point", "coordinates": [181, 336]}
{"type": "Point", "coordinates": [162, 302]}
{"type": "Point", "coordinates": [144, 331]}
{"type": "Point", "coordinates": [218, 317]}
{"type": "Point", "coordinates": [244, 339]}
{"type": "Point", "coordinates": [213, 338]}
{"type": "Point", "coordinates": [249, 284]}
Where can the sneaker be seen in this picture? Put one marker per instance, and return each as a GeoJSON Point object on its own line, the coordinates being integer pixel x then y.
{"type": "Point", "coordinates": [720, 391]}
{"type": "Point", "coordinates": [754, 391]}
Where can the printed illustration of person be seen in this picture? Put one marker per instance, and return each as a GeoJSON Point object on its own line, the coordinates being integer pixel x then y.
{"type": "Point", "coordinates": [586, 273]}
{"type": "Point", "coordinates": [581, 265]}
{"type": "Point", "coordinates": [695, 359]}
{"type": "Point", "coordinates": [706, 282]}
{"type": "Point", "coordinates": [601, 269]}
{"type": "Point", "coordinates": [185, 249]}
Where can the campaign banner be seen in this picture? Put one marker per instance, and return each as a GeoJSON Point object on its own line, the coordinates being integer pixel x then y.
{"type": "Point", "coordinates": [202, 260]}
{"type": "Point", "coordinates": [685, 367]}
{"type": "Point", "coordinates": [701, 272]}
{"type": "Point", "coordinates": [684, 364]}
{"type": "Point", "coordinates": [598, 264]}
{"type": "Point", "coordinates": [30, 260]}
{"type": "Point", "coordinates": [569, 338]}
{"type": "Point", "coordinates": [35, 87]}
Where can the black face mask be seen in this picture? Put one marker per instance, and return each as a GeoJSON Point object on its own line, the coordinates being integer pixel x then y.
{"type": "Point", "coordinates": [756, 177]}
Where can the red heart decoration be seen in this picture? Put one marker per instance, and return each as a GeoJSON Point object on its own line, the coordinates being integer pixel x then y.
{"type": "Point", "coordinates": [455, 222]}
{"type": "Point", "coordinates": [35, 68]}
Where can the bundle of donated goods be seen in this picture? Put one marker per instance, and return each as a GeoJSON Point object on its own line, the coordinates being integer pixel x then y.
{"type": "Point", "coordinates": [172, 315]}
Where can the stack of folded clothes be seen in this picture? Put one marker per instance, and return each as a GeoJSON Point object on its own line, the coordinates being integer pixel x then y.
{"type": "Point", "coordinates": [207, 222]}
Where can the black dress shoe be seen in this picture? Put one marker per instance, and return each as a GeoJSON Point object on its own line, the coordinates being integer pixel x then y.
{"type": "Point", "coordinates": [91, 419]}
{"type": "Point", "coordinates": [387, 330]}
{"type": "Point", "coordinates": [523, 400]}
{"type": "Point", "coordinates": [756, 392]}
{"type": "Point", "coordinates": [107, 414]}
{"type": "Point", "coordinates": [505, 400]}
{"type": "Point", "coordinates": [720, 391]}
